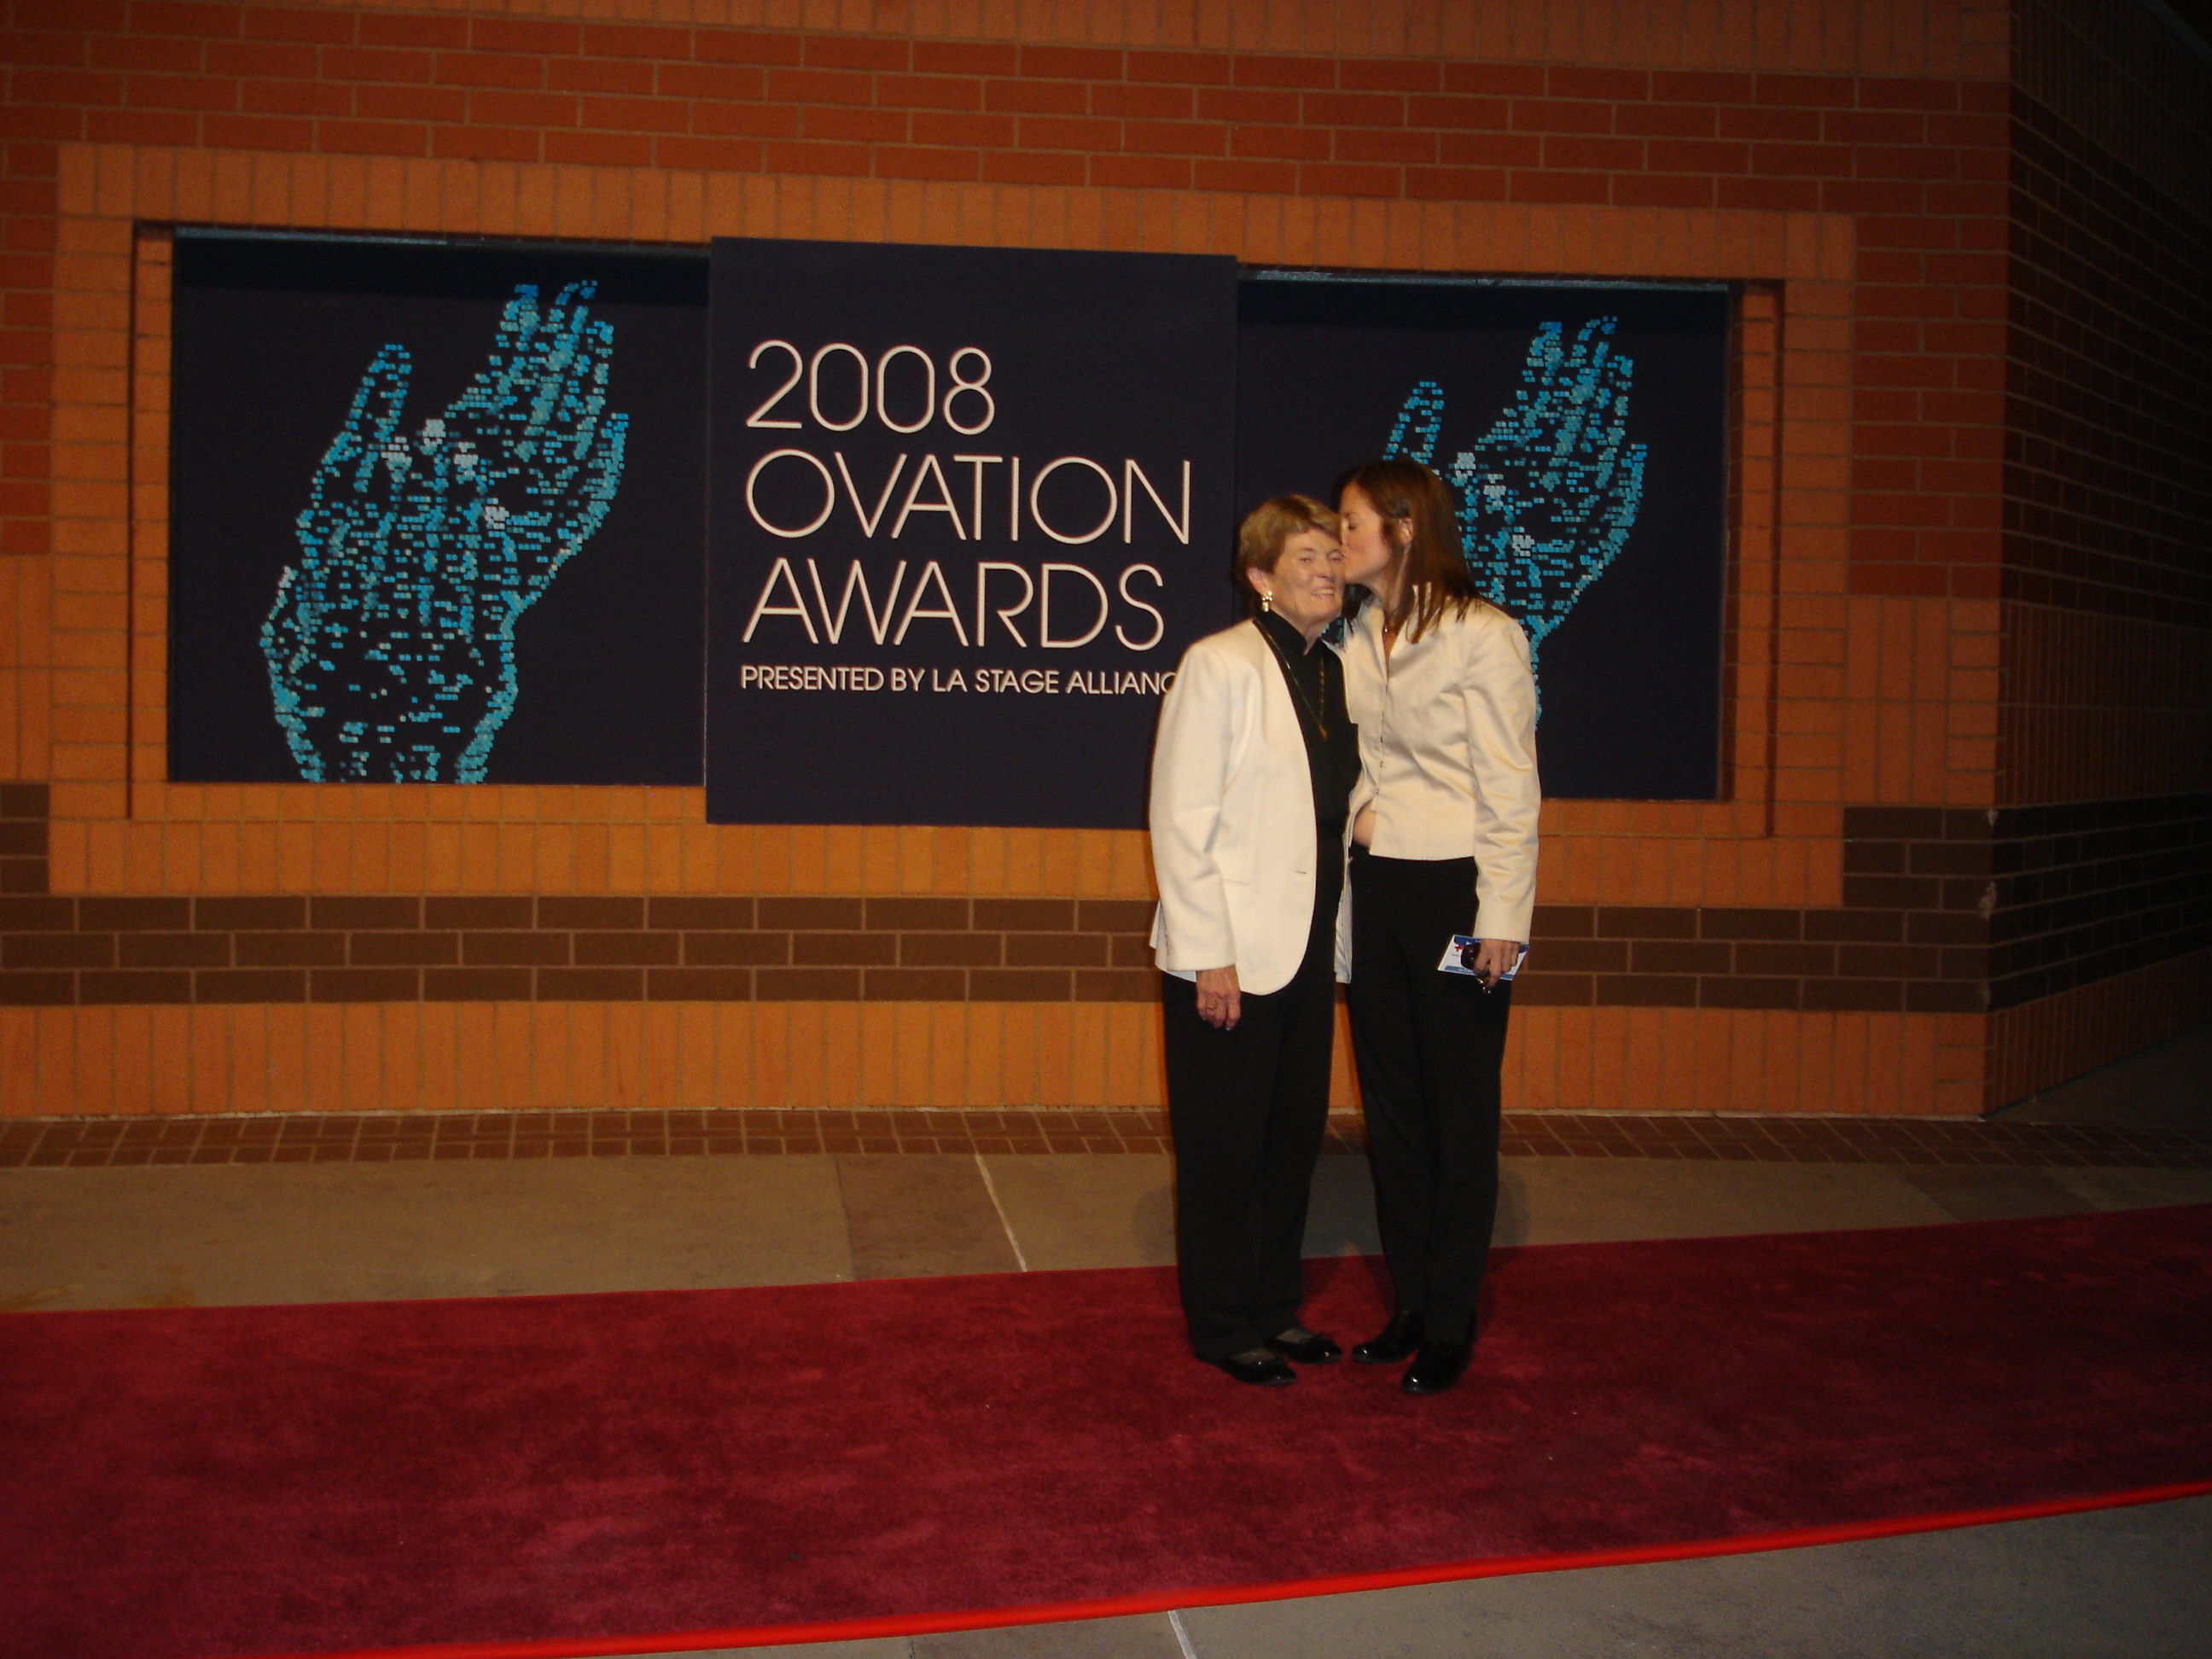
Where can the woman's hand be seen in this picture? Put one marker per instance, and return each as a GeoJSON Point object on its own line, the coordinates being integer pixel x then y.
{"type": "Point", "coordinates": [1219, 1003]}
{"type": "Point", "coordinates": [1492, 956]}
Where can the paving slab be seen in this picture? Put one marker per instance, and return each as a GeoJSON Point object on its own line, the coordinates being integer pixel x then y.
{"type": "Point", "coordinates": [1568, 1200]}
{"type": "Point", "coordinates": [189, 1236]}
{"type": "Point", "coordinates": [911, 1216]}
{"type": "Point", "coordinates": [1088, 1209]}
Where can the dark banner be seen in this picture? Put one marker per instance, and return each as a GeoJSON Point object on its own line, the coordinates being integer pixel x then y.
{"type": "Point", "coordinates": [969, 505]}
{"type": "Point", "coordinates": [1581, 431]}
{"type": "Point", "coordinates": [436, 513]}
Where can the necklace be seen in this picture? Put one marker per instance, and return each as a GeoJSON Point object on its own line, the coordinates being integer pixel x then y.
{"type": "Point", "coordinates": [1290, 675]}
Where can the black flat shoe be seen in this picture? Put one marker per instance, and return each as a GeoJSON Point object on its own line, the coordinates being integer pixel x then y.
{"type": "Point", "coordinates": [1262, 1373]}
{"type": "Point", "coordinates": [1435, 1367]}
{"type": "Point", "coordinates": [1310, 1349]}
{"type": "Point", "coordinates": [1393, 1342]}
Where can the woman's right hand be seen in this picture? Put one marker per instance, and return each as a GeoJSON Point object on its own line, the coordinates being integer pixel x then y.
{"type": "Point", "coordinates": [1219, 1002]}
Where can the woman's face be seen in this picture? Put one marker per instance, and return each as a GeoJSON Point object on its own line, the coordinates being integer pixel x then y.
{"type": "Point", "coordinates": [1307, 584]}
{"type": "Point", "coordinates": [1370, 549]}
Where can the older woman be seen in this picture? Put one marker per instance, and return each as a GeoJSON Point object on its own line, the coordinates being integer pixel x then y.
{"type": "Point", "coordinates": [1443, 875]}
{"type": "Point", "coordinates": [1251, 781]}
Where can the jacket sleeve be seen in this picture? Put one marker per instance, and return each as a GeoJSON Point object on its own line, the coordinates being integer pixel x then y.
{"type": "Point", "coordinates": [1499, 692]}
{"type": "Point", "coordinates": [1199, 735]}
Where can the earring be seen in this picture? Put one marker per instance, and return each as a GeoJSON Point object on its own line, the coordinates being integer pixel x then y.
{"type": "Point", "coordinates": [1267, 602]}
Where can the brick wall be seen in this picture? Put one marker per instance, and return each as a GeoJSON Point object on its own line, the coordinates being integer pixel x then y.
{"type": "Point", "coordinates": [1817, 941]}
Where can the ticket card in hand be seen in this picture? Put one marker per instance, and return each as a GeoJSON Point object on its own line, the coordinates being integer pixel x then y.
{"type": "Point", "coordinates": [1459, 958]}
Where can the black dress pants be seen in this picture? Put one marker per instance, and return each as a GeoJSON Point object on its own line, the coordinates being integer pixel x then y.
{"type": "Point", "coordinates": [1429, 1047]}
{"type": "Point", "coordinates": [1249, 1108]}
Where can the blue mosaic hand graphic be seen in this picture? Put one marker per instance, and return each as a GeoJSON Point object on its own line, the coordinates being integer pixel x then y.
{"type": "Point", "coordinates": [1548, 494]}
{"type": "Point", "coordinates": [390, 645]}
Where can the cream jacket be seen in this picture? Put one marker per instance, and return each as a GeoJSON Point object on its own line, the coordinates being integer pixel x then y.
{"type": "Point", "coordinates": [1448, 753]}
{"type": "Point", "coordinates": [1232, 817]}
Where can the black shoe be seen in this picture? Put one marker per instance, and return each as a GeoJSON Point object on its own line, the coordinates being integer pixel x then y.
{"type": "Point", "coordinates": [1393, 1342]}
{"type": "Point", "coordinates": [1260, 1371]}
{"type": "Point", "coordinates": [1435, 1367]}
{"type": "Point", "coordinates": [1308, 1348]}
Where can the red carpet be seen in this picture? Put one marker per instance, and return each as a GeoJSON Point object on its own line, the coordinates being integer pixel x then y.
{"type": "Point", "coordinates": [180, 1485]}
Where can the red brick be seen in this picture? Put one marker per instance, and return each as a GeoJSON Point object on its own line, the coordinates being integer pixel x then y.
{"type": "Point", "coordinates": [1805, 91]}
{"type": "Point", "coordinates": [1355, 109]}
{"type": "Point", "coordinates": [1055, 132]}
{"type": "Point", "coordinates": [711, 81]}
{"type": "Point", "coordinates": [413, 29]}
{"type": "Point", "coordinates": [131, 52]}
{"type": "Point", "coordinates": [1207, 69]}
{"type": "Point", "coordinates": [484, 69]}
{"type": "Point", "coordinates": [854, 51]}
{"type": "Point", "coordinates": [1071, 63]}
{"type": "Point", "coordinates": [1248, 178]}
{"type": "Point", "coordinates": [1701, 86]}
{"type": "Point", "coordinates": [635, 40]}
{"type": "Point", "coordinates": [1234, 105]}
{"type": "Point", "coordinates": [108, 17]}
{"type": "Point", "coordinates": [743, 46]}
{"type": "Point", "coordinates": [297, 23]}
{"type": "Point", "coordinates": [1667, 120]}
{"type": "Point", "coordinates": [1795, 125]}
{"type": "Point", "coordinates": [1895, 162]}
{"type": "Point", "coordinates": [974, 132]}
{"type": "Point", "coordinates": [258, 133]}
{"type": "Point", "coordinates": [1593, 155]}
{"type": "Point", "coordinates": [709, 154]}
{"type": "Point", "coordinates": [1140, 172]}
{"type": "Point", "coordinates": [1035, 169]}
{"type": "Point", "coordinates": [929, 92]}
{"type": "Point", "coordinates": [1864, 198]}
{"type": "Point", "coordinates": [1559, 115]}
{"type": "Point", "coordinates": [1854, 126]}
{"type": "Point", "coordinates": [1037, 97]}
{"type": "Point", "coordinates": [140, 127]}
{"type": "Point", "coordinates": [908, 162]}
{"type": "Point", "coordinates": [522, 109]}
{"type": "Point", "coordinates": [1456, 184]}
{"type": "Point", "coordinates": [57, 124]}
{"type": "Point", "coordinates": [370, 138]}
{"type": "Point", "coordinates": [844, 160]}
{"type": "Point", "coordinates": [1558, 187]}
{"type": "Point", "coordinates": [1410, 149]}
{"type": "Point", "coordinates": [485, 144]}
{"type": "Point", "coordinates": [811, 86]}
{"type": "Point", "coordinates": [295, 98]}
{"type": "Point", "coordinates": [1611, 85]}
{"type": "Point", "coordinates": [70, 50]}
{"type": "Point", "coordinates": [195, 92]}
{"type": "Point", "coordinates": [1388, 75]}
{"type": "Point", "coordinates": [1876, 92]}
{"type": "Point", "coordinates": [1282, 143]}
{"type": "Point", "coordinates": [599, 75]}
{"type": "Point", "coordinates": [1460, 111]}
{"type": "Point", "coordinates": [1144, 103]}
{"type": "Point", "coordinates": [1485, 150]}
{"type": "Point", "coordinates": [634, 115]}
{"type": "Point", "coordinates": [380, 63]}
{"type": "Point", "coordinates": [964, 58]}
{"type": "Point", "coordinates": [1328, 178]}
{"type": "Point", "coordinates": [1897, 580]}
{"type": "Point", "coordinates": [1174, 138]}
{"type": "Point", "coordinates": [599, 149]}
{"type": "Point", "coordinates": [1768, 194]}
{"type": "Point", "coordinates": [1661, 190]}
{"type": "Point", "coordinates": [261, 58]}
{"type": "Point", "coordinates": [175, 17]}
{"type": "Point", "coordinates": [745, 120]}
{"type": "Point", "coordinates": [411, 104]}
{"type": "Point", "coordinates": [828, 124]}
{"type": "Point", "coordinates": [513, 34]}
{"type": "Point", "coordinates": [1514, 80]}
{"type": "Point", "coordinates": [1800, 161]}
{"type": "Point", "coordinates": [1262, 69]}
{"type": "Point", "coordinates": [29, 86]}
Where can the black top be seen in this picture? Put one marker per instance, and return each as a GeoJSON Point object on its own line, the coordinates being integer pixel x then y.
{"type": "Point", "coordinates": [1316, 678]}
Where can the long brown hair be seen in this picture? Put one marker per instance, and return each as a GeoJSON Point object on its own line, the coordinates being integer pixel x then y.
{"type": "Point", "coordinates": [1437, 579]}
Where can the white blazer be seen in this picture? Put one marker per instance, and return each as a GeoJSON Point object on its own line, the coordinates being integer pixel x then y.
{"type": "Point", "coordinates": [1232, 817]}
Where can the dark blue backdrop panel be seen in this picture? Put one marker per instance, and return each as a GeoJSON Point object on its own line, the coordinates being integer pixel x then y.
{"type": "Point", "coordinates": [967, 508]}
{"type": "Point", "coordinates": [1583, 430]}
{"type": "Point", "coordinates": [494, 541]}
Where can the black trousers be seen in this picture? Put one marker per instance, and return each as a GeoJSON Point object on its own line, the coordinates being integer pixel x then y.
{"type": "Point", "coordinates": [1249, 1108]}
{"type": "Point", "coordinates": [1429, 1048]}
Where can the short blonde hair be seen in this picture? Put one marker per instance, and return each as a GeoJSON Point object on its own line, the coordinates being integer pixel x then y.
{"type": "Point", "coordinates": [1267, 529]}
